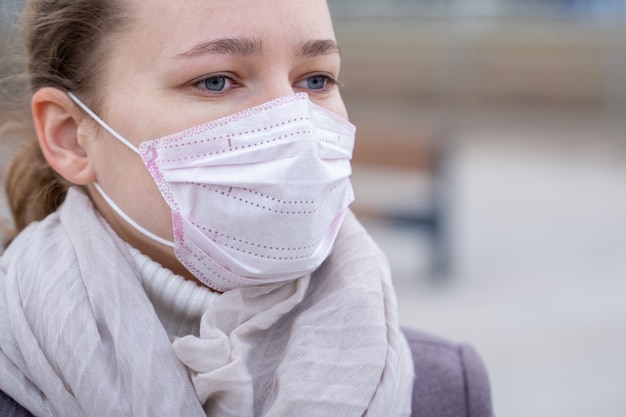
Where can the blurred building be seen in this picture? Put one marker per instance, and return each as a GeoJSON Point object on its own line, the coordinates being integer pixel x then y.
{"type": "Point", "coordinates": [465, 8]}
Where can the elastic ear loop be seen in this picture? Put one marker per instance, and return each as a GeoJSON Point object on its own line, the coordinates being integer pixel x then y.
{"type": "Point", "coordinates": [130, 221]}
{"type": "Point", "coordinates": [104, 195]}
{"type": "Point", "coordinates": [103, 123]}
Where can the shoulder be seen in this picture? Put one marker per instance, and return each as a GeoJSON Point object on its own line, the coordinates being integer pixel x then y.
{"type": "Point", "coordinates": [450, 378]}
{"type": "Point", "coordinates": [10, 408]}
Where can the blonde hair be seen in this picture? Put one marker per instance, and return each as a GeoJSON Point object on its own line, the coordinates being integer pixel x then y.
{"type": "Point", "coordinates": [65, 49]}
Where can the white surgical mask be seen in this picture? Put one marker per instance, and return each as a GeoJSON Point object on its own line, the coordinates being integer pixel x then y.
{"type": "Point", "coordinates": [256, 197]}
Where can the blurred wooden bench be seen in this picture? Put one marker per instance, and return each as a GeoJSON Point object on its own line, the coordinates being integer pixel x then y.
{"type": "Point", "coordinates": [400, 161]}
{"type": "Point", "coordinates": [401, 174]}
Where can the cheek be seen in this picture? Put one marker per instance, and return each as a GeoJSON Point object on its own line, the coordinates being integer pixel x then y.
{"type": "Point", "coordinates": [125, 178]}
{"type": "Point", "coordinates": [337, 106]}
{"type": "Point", "coordinates": [147, 203]}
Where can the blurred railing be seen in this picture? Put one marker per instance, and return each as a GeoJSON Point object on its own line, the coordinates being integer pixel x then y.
{"type": "Point", "coordinates": [568, 9]}
{"type": "Point", "coordinates": [512, 60]}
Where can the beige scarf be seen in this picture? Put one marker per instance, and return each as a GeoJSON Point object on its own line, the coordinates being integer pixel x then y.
{"type": "Point", "coordinates": [79, 336]}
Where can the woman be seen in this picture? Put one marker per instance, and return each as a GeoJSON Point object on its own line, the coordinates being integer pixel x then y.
{"type": "Point", "coordinates": [187, 247]}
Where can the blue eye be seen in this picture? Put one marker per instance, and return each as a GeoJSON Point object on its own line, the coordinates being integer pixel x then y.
{"type": "Point", "coordinates": [217, 83]}
{"type": "Point", "coordinates": [317, 82]}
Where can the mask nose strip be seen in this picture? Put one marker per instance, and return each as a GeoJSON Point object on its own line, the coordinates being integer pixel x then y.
{"type": "Point", "coordinates": [103, 123]}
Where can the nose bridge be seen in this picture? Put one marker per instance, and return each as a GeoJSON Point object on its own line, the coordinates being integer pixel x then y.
{"type": "Point", "coordinates": [275, 85]}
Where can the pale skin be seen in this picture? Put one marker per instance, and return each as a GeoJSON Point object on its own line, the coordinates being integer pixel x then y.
{"type": "Point", "coordinates": [178, 65]}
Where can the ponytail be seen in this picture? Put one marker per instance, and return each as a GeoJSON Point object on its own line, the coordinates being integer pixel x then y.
{"type": "Point", "coordinates": [33, 188]}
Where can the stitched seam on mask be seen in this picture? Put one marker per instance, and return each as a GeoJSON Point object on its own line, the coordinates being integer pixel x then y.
{"type": "Point", "coordinates": [234, 148]}
{"type": "Point", "coordinates": [211, 267]}
{"type": "Point", "coordinates": [338, 136]}
{"type": "Point", "coordinates": [242, 249]}
{"type": "Point", "coordinates": [274, 210]}
{"type": "Point", "coordinates": [217, 234]}
{"type": "Point", "coordinates": [256, 193]}
{"type": "Point", "coordinates": [174, 142]}
{"type": "Point", "coordinates": [225, 121]}
{"type": "Point", "coordinates": [270, 257]}
{"type": "Point", "coordinates": [273, 258]}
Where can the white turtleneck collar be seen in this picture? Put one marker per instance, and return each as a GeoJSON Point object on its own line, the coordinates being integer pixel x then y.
{"type": "Point", "coordinates": [179, 303]}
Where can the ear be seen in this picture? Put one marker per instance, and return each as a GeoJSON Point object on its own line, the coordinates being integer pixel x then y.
{"type": "Point", "coordinates": [57, 120]}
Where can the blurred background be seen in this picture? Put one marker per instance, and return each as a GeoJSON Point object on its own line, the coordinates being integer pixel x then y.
{"type": "Point", "coordinates": [490, 167]}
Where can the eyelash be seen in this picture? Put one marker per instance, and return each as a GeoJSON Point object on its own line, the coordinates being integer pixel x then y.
{"type": "Point", "coordinates": [201, 84]}
{"type": "Point", "coordinates": [329, 82]}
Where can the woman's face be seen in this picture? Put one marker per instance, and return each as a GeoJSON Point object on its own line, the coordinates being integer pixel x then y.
{"type": "Point", "coordinates": [181, 64]}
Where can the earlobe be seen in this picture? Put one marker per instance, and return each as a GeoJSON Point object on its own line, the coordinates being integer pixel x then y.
{"type": "Point", "coordinates": [57, 122]}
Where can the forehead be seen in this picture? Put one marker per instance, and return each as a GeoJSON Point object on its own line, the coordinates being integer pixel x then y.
{"type": "Point", "coordinates": [169, 28]}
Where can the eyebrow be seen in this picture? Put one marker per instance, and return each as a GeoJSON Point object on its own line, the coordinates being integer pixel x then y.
{"type": "Point", "coordinates": [318, 47]}
{"type": "Point", "coordinates": [248, 47]}
{"type": "Point", "coordinates": [226, 46]}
